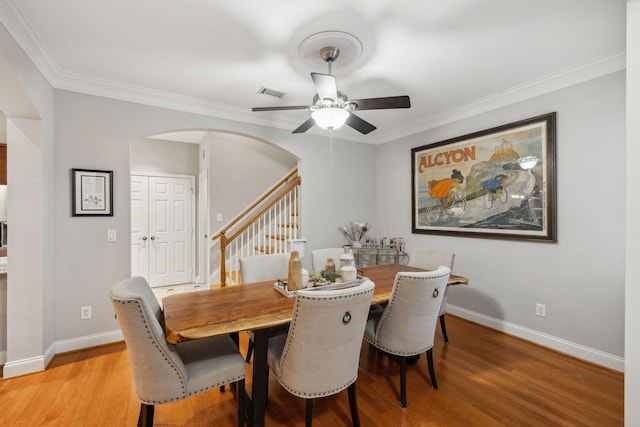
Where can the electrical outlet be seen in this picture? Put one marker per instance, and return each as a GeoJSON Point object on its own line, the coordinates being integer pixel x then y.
{"type": "Point", "coordinates": [541, 310]}
{"type": "Point", "coordinates": [85, 312]}
{"type": "Point", "coordinates": [111, 235]}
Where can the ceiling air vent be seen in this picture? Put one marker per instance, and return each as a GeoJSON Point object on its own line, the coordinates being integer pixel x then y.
{"type": "Point", "coordinates": [266, 91]}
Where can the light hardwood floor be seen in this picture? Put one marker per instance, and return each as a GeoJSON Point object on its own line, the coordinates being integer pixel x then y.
{"type": "Point", "coordinates": [485, 378]}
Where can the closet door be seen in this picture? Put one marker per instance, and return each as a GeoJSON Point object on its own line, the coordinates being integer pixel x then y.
{"type": "Point", "coordinates": [161, 229]}
{"type": "Point", "coordinates": [140, 226]}
{"type": "Point", "coordinates": [170, 231]}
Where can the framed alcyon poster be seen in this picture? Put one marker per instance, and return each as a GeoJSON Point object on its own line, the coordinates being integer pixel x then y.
{"type": "Point", "coordinates": [496, 183]}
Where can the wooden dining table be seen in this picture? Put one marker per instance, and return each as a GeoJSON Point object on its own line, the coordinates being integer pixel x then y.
{"type": "Point", "coordinates": [257, 307]}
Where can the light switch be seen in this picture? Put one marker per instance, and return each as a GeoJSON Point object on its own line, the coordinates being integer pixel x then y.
{"type": "Point", "coordinates": [219, 217]}
{"type": "Point", "coordinates": [111, 235]}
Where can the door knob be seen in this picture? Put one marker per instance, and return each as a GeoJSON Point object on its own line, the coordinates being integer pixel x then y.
{"type": "Point", "coordinates": [142, 238]}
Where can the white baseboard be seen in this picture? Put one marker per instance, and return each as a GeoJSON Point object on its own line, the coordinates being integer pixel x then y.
{"type": "Point", "coordinates": [22, 367]}
{"type": "Point", "coordinates": [563, 346]}
{"type": "Point", "coordinates": [35, 364]}
{"type": "Point", "coordinates": [88, 341]}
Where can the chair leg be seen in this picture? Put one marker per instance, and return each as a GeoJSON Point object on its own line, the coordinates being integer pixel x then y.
{"type": "Point", "coordinates": [309, 415]}
{"type": "Point", "coordinates": [353, 405]}
{"type": "Point", "coordinates": [241, 402]}
{"type": "Point", "coordinates": [432, 372]}
{"type": "Point", "coordinates": [235, 336]}
{"type": "Point", "coordinates": [249, 351]}
{"type": "Point", "coordinates": [403, 381]}
{"type": "Point", "coordinates": [145, 419]}
{"type": "Point", "coordinates": [444, 328]}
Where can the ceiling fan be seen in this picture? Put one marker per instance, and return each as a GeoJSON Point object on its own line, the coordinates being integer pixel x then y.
{"type": "Point", "coordinates": [332, 108]}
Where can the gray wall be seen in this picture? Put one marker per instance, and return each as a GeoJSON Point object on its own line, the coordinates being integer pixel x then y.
{"type": "Point", "coordinates": [153, 155]}
{"type": "Point", "coordinates": [27, 100]}
{"type": "Point", "coordinates": [581, 278]}
{"type": "Point", "coordinates": [587, 261]}
{"type": "Point", "coordinates": [240, 170]}
{"type": "Point", "coordinates": [95, 133]}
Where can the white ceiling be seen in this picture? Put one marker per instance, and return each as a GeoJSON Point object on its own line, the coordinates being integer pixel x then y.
{"type": "Point", "coordinates": [453, 58]}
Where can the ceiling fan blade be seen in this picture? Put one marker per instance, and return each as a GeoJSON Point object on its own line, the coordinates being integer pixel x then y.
{"type": "Point", "coordinates": [290, 107]}
{"type": "Point", "coordinates": [381, 103]}
{"type": "Point", "coordinates": [308, 124]}
{"type": "Point", "coordinates": [325, 85]}
{"type": "Point", "coordinates": [362, 126]}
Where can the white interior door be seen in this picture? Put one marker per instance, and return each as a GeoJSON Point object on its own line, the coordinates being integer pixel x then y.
{"type": "Point", "coordinates": [167, 226]}
{"type": "Point", "coordinates": [140, 226]}
{"type": "Point", "coordinates": [203, 229]}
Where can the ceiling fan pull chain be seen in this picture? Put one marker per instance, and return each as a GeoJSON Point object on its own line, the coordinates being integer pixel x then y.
{"type": "Point", "coordinates": [330, 146]}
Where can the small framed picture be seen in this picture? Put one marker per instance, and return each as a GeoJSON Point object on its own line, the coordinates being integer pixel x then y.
{"type": "Point", "coordinates": [91, 192]}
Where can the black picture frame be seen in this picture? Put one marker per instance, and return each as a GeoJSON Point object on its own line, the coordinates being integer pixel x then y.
{"type": "Point", "coordinates": [497, 183]}
{"type": "Point", "coordinates": [91, 192]}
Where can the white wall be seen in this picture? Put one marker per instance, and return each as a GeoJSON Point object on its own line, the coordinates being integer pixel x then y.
{"type": "Point", "coordinates": [581, 278]}
{"type": "Point", "coordinates": [632, 296]}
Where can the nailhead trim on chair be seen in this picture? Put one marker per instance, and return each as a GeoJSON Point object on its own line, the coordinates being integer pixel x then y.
{"type": "Point", "coordinates": [382, 320]}
{"type": "Point", "coordinates": [164, 355]}
{"type": "Point", "coordinates": [185, 394]}
{"type": "Point", "coordinates": [165, 372]}
{"type": "Point", "coordinates": [286, 351]}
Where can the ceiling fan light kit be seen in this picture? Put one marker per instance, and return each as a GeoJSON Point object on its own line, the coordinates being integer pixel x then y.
{"type": "Point", "coordinates": [330, 118]}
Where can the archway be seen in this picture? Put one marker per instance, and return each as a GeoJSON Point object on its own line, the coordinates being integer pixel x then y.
{"type": "Point", "coordinates": [235, 168]}
{"type": "Point", "coordinates": [28, 303]}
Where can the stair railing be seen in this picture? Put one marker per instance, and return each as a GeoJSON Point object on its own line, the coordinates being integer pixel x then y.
{"type": "Point", "coordinates": [266, 226]}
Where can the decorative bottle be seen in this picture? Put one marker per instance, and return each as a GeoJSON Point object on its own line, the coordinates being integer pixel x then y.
{"type": "Point", "coordinates": [330, 265]}
{"type": "Point", "coordinates": [347, 259]}
{"type": "Point", "coordinates": [295, 272]}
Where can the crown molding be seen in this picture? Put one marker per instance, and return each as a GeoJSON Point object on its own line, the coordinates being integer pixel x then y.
{"type": "Point", "coordinates": [540, 86]}
{"type": "Point", "coordinates": [577, 74]}
{"type": "Point", "coordinates": [21, 30]}
{"type": "Point", "coordinates": [19, 27]}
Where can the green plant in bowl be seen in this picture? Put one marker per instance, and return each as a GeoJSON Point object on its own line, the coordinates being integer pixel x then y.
{"type": "Point", "coordinates": [331, 276]}
{"type": "Point", "coordinates": [319, 279]}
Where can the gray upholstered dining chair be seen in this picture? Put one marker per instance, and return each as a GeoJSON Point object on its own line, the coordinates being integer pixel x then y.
{"type": "Point", "coordinates": [319, 258]}
{"type": "Point", "coordinates": [320, 354]}
{"type": "Point", "coordinates": [258, 268]}
{"type": "Point", "coordinates": [406, 326]}
{"type": "Point", "coordinates": [164, 372]}
{"type": "Point", "coordinates": [430, 259]}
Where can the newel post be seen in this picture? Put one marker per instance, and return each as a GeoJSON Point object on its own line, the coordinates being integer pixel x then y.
{"type": "Point", "coordinates": [223, 268]}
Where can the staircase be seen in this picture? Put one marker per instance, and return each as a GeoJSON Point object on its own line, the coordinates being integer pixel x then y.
{"type": "Point", "coordinates": [269, 225]}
